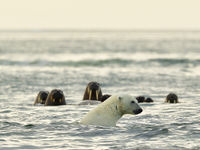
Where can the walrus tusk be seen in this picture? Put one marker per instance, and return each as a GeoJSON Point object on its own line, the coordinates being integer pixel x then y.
{"type": "Point", "coordinates": [40, 101]}
{"type": "Point", "coordinates": [88, 90]}
{"type": "Point", "coordinates": [90, 94]}
{"type": "Point", "coordinates": [97, 94]}
{"type": "Point", "coordinates": [60, 100]}
{"type": "Point", "coordinates": [54, 100]}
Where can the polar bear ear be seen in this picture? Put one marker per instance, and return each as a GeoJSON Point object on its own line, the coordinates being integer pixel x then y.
{"type": "Point", "coordinates": [120, 98]}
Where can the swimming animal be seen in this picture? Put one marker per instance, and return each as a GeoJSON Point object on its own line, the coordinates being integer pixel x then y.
{"type": "Point", "coordinates": [93, 91]}
{"type": "Point", "coordinates": [55, 97]}
{"type": "Point", "coordinates": [111, 110]}
{"type": "Point", "coordinates": [41, 97]}
{"type": "Point", "coordinates": [171, 98]}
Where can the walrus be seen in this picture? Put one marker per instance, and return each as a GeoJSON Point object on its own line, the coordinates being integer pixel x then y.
{"type": "Point", "coordinates": [55, 97]}
{"type": "Point", "coordinates": [93, 91]}
{"type": "Point", "coordinates": [104, 97]}
{"type": "Point", "coordinates": [142, 99]}
{"type": "Point", "coordinates": [41, 97]}
{"type": "Point", "coordinates": [148, 100]}
{"type": "Point", "coordinates": [171, 98]}
{"type": "Point", "coordinates": [95, 102]}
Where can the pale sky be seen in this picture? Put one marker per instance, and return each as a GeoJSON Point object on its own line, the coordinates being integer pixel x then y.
{"type": "Point", "coordinates": [103, 14]}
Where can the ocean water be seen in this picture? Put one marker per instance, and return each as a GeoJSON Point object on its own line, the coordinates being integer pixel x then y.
{"type": "Point", "coordinates": [149, 63]}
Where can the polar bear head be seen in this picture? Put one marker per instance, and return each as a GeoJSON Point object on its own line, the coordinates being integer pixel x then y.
{"type": "Point", "coordinates": [128, 105]}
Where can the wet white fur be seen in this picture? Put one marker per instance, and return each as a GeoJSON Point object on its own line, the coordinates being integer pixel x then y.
{"type": "Point", "coordinates": [110, 111]}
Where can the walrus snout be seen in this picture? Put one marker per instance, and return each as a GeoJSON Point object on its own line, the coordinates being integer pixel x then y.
{"type": "Point", "coordinates": [57, 95]}
{"type": "Point", "coordinates": [43, 97]}
{"type": "Point", "coordinates": [93, 90]}
{"type": "Point", "coordinates": [137, 111]}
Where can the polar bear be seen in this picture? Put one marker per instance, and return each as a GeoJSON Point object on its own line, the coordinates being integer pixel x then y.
{"type": "Point", "coordinates": [111, 110]}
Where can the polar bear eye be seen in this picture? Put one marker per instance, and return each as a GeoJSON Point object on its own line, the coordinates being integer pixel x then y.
{"type": "Point", "coordinates": [132, 102]}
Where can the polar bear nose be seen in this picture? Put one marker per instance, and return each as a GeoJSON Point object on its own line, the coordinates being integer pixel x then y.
{"type": "Point", "coordinates": [137, 111]}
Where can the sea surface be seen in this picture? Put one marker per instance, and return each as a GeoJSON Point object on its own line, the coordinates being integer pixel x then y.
{"type": "Point", "coordinates": [149, 63]}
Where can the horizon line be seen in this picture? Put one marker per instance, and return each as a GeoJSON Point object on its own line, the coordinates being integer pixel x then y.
{"type": "Point", "coordinates": [99, 29]}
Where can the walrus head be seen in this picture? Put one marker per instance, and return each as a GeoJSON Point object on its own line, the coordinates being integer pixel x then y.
{"type": "Point", "coordinates": [56, 97]}
{"type": "Point", "coordinates": [148, 100]}
{"type": "Point", "coordinates": [140, 99]}
{"type": "Point", "coordinates": [93, 91]}
{"type": "Point", "coordinates": [172, 98]}
{"type": "Point", "coordinates": [41, 97]}
{"type": "Point", "coordinates": [105, 97]}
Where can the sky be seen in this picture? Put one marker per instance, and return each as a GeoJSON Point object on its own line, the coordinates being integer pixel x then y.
{"type": "Point", "coordinates": [100, 14]}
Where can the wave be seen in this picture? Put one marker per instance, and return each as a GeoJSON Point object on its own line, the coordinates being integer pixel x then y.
{"type": "Point", "coordinates": [102, 63]}
{"type": "Point", "coordinates": [98, 63]}
{"type": "Point", "coordinates": [175, 61]}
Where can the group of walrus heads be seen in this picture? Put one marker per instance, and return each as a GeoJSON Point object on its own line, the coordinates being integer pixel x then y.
{"type": "Point", "coordinates": [170, 98]}
{"type": "Point", "coordinates": [142, 99]}
{"type": "Point", "coordinates": [54, 98]}
{"type": "Point", "coordinates": [93, 92]}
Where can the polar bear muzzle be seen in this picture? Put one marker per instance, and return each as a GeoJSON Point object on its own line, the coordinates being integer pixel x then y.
{"type": "Point", "coordinates": [137, 111]}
